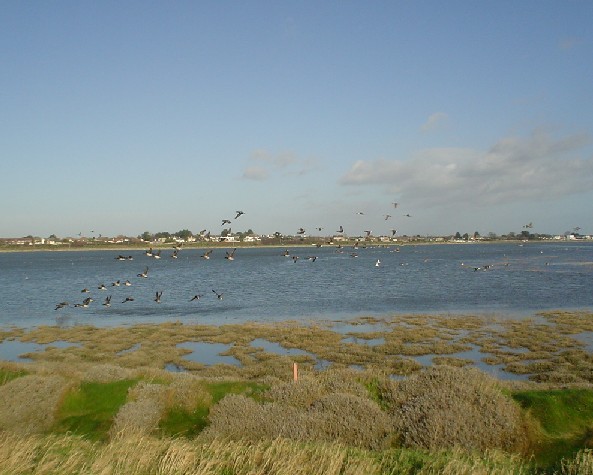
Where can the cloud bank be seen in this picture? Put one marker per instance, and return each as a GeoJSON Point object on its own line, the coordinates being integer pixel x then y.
{"type": "Point", "coordinates": [532, 168]}
{"type": "Point", "coordinates": [265, 164]}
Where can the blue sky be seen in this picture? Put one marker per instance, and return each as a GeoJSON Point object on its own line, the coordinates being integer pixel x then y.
{"type": "Point", "coordinates": [124, 117]}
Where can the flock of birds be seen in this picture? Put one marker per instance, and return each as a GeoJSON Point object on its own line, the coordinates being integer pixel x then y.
{"type": "Point", "coordinates": [230, 256]}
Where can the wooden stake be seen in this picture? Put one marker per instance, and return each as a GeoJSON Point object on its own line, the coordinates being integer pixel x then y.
{"type": "Point", "coordinates": [295, 371]}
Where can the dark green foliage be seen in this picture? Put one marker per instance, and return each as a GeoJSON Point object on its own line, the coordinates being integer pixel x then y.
{"type": "Point", "coordinates": [565, 420]}
{"type": "Point", "coordinates": [89, 410]}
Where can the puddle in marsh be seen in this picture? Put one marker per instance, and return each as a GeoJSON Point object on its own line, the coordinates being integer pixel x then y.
{"type": "Point", "coordinates": [276, 348]}
{"type": "Point", "coordinates": [12, 350]}
{"type": "Point", "coordinates": [208, 353]}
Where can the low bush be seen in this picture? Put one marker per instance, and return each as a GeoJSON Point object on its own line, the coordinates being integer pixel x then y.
{"type": "Point", "coordinates": [445, 407]}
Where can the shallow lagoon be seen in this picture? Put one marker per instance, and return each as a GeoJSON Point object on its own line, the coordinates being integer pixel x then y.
{"type": "Point", "coordinates": [262, 285]}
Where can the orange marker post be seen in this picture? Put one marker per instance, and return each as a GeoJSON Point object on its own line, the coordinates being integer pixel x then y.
{"type": "Point", "coordinates": [295, 371]}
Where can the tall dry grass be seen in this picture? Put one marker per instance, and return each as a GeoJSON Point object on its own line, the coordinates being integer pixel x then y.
{"type": "Point", "coordinates": [144, 455]}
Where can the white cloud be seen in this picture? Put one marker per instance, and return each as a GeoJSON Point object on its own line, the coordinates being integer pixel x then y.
{"type": "Point", "coordinates": [567, 44]}
{"type": "Point", "coordinates": [532, 168]}
{"type": "Point", "coordinates": [435, 121]}
{"type": "Point", "coordinates": [286, 163]}
{"type": "Point", "coordinates": [255, 173]}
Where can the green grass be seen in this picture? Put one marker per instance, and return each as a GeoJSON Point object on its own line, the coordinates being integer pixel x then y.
{"type": "Point", "coordinates": [8, 375]}
{"type": "Point", "coordinates": [181, 422]}
{"type": "Point", "coordinates": [566, 420]}
{"type": "Point", "coordinates": [89, 410]}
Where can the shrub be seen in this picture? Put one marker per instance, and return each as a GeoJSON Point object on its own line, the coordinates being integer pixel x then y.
{"type": "Point", "coordinates": [444, 407]}
{"type": "Point", "coordinates": [28, 403]}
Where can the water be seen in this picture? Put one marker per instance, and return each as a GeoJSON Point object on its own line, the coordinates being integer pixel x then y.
{"type": "Point", "coordinates": [262, 285]}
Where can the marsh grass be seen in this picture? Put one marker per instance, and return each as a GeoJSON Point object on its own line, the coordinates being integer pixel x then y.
{"type": "Point", "coordinates": [8, 372]}
{"type": "Point", "coordinates": [113, 389]}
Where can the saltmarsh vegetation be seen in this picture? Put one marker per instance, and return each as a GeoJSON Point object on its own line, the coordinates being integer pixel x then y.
{"type": "Point", "coordinates": [107, 405]}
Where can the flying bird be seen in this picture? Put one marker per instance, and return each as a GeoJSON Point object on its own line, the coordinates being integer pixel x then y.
{"type": "Point", "coordinates": [225, 221]}
{"type": "Point", "coordinates": [107, 302]}
{"type": "Point", "coordinates": [387, 216]}
{"type": "Point", "coordinates": [341, 230]}
{"type": "Point", "coordinates": [144, 274]}
{"type": "Point", "coordinates": [128, 299]}
{"type": "Point", "coordinates": [61, 305]}
{"type": "Point", "coordinates": [157, 299]}
{"type": "Point", "coordinates": [230, 255]}
{"type": "Point", "coordinates": [195, 297]}
{"type": "Point", "coordinates": [206, 254]}
{"type": "Point", "coordinates": [301, 231]}
{"type": "Point", "coordinates": [218, 296]}
{"type": "Point", "coordinates": [239, 213]}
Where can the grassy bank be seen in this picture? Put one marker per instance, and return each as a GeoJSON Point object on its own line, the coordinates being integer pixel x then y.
{"type": "Point", "coordinates": [107, 405]}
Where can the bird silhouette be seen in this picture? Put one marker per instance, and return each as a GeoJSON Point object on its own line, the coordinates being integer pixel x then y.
{"type": "Point", "coordinates": [107, 302]}
{"type": "Point", "coordinates": [239, 213]}
{"type": "Point", "coordinates": [218, 296]}
{"type": "Point", "coordinates": [225, 221]}
{"type": "Point", "coordinates": [230, 255]}
{"type": "Point", "coordinates": [157, 299]}
{"type": "Point", "coordinates": [144, 274]}
{"type": "Point", "coordinates": [206, 254]}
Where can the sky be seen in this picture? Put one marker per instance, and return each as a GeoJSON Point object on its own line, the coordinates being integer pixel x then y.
{"type": "Point", "coordinates": [119, 117]}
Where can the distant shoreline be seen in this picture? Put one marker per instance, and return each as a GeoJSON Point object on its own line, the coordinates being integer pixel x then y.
{"type": "Point", "coordinates": [165, 246]}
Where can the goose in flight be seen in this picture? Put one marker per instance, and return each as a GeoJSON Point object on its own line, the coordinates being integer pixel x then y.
{"type": "Point", "coordinates": [387, 216]}
{"type": "Point", "coordinates": [175, 253]}
{"type": "Point", "coordinates": [341, 230]}
{"type": "Point", "coordinates": [61, 305]}
{"type": "Point", "coordinates": [85, 303]}
{"type": "Point", "coordinates": [239, 213]}
{"type": "Point", "coordinates": [195, 297]}
{"type": "Point", "coordinates": [206, 254]}
{"type": "Point", "coordinates": [128, 299]}
{"type": "Point", "coordinates": [225, 221]}
{"type": "Point", "coordinates": [144, 274]}
{"type": "Point", "coordinates": [115, 284]}
{"type": "Point", "coordinates": [218, 296]}
{"type": "Point", "coordinates": [102, 287]}
{"type": "Point", "coordinates": [301, 231]}
{"type": "Point", "coordinates": [157, 299]}
{"type": "Point", "coordinates": [127, 283]}
{"type": "Point", "coordinates": [230, 255]}
{"type": "Point", "coordinates": [107, 302]}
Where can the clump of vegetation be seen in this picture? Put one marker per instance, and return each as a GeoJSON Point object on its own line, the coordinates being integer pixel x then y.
{"type": "Point", "coordinates": [333, 406]}
{"type": "Point", "coordinates": [27, 404]}
{"type": "Point", "coordinates": [445, 407]}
